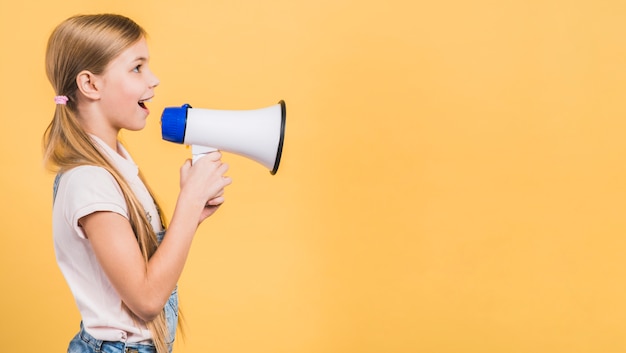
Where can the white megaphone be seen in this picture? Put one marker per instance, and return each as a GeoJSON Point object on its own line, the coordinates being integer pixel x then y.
{"type": "Point", "coordinates": [256, 134]}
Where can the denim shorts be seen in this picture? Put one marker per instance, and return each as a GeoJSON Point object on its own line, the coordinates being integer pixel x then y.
{"type": "Point", "coordinates": [85, 343]}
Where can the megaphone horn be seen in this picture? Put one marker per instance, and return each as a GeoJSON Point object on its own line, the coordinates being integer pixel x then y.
{"type": "Point", "coordinates": [257, 134]}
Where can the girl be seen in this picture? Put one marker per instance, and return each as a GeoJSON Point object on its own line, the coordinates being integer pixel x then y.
{"type": "Point", "coordinates": [108, 230]}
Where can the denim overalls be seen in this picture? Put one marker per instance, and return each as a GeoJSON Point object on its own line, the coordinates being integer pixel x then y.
{"type": "Point", "coordinates": [83, 342]}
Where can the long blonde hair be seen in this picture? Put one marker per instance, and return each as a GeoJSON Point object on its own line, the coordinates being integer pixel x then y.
{"type": "Point", "coordinates": [90, 42]}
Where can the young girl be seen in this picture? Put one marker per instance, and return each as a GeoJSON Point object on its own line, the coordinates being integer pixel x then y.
{"type": "Point", "coordinates": [108, 230]}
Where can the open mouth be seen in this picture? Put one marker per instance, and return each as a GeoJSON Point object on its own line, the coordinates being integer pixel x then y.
{"type": "Point", "coordinates": [142, 103]}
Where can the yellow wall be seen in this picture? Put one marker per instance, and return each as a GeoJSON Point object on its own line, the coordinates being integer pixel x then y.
{"type": "Point", "coordinates": [453, 179]}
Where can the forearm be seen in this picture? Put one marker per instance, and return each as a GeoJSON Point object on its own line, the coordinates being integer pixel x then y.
{"type": "Point", "coordinates": [166, 265]}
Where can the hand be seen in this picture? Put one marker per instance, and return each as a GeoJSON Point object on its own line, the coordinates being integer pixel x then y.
{"type": "Point", "coordinates": [203, 183]}
{"type": "Point", "coordinates": [212, 206]}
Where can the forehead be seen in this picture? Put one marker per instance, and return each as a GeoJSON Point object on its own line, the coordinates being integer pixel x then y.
{"type": "Point", "coordinates": [136, 52]}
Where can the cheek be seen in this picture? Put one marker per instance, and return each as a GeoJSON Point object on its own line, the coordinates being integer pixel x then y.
{"type": "Point", "coordinates": [122, 87]}
{"type": "Point", "coordinates": [121, 98]}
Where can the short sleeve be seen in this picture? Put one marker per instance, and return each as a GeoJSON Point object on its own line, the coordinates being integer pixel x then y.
{"type": "Point", "coordinates": [88, 189]}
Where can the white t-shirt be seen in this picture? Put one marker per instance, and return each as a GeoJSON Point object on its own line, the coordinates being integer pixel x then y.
{"type": "Point", "coordinates": [84, 190]}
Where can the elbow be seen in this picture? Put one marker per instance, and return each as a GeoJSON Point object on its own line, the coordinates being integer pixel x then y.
{"type": "Point", "coordinates": [148, 316]}
{"type": "Point", "coordinates": [147, 310]}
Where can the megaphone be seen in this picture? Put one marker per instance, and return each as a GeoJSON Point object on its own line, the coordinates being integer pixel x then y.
{"type": "Point", "coordinates": [257, 134]}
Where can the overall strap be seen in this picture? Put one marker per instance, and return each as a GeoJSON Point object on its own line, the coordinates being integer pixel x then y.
{"type": "Point", "coordinates": [55, 186]}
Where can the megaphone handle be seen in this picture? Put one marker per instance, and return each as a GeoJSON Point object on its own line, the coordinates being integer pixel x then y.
{"type": "Point", "coordinates": [198, 152]}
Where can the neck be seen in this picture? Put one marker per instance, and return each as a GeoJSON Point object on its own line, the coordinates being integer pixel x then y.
{"type": "Point", "coordinates": [95, 126]}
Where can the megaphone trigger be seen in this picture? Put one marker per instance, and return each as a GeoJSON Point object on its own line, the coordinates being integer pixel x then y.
{"type": "Point", "coordinates": [198, 152]}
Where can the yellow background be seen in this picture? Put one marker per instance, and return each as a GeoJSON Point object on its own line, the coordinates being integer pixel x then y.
{"type": "Point", "coordinates": [453, 178]}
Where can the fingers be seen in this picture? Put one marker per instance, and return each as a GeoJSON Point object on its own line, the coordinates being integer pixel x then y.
{"type": "Point", "coordinates": [216, 201]}
{"type": "Point", "coordinates": [184, 172]}
{"type": "Point", "coordinates": [218, 198]}
{"type": "Point", "coordinates": [220, 193]}
{"type": "Point", "coordinates": [210, 163]}
{"type": "Point", "coordinates": [206, 177]}
{"type": "Point", "coordinates": [210, 157]}
{"type": "Point", "coordinates": [214, 156]}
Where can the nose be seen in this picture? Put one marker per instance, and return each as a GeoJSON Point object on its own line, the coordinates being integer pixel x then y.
{"type": "Point", "coordinates": [153, 81]}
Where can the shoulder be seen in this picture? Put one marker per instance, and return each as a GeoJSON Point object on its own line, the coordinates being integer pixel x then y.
{"type": "Point", "coordinates": [87, 176]}
{"type": "Point", "coordinates": [89, 184]}
{"type": "Point", "coordinates": [84, 190]}
{"type": "Point", "coordinates": [86, 171]}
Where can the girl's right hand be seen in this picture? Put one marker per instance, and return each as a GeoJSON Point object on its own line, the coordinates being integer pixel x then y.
{"type": "Point", "coordinates": [203, 183]}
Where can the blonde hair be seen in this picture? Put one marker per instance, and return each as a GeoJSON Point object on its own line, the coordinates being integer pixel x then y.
{"type": "Point", "coordinates": [90, 42]}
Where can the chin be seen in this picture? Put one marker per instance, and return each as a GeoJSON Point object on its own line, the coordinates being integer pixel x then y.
{"type": "Point", "coordinates": [136, 127]}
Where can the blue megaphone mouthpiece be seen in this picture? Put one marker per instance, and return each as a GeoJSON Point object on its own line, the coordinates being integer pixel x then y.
{"type": "Point", "coordinates": [174, 123]}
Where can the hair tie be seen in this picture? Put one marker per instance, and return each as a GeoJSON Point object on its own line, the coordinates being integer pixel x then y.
{"type": "Point", "coordinates": [61, 100]}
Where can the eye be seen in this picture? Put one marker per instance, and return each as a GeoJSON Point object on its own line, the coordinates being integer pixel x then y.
{"type": "Point", "coordinates": [137, 68]}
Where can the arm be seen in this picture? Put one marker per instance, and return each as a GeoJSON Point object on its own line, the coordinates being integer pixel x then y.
{"type": "Point", "coordinates": [145, 288]}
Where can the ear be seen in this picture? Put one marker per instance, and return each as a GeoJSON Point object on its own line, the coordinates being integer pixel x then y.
{"type": "Point", "coordinates": [86, 82]}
